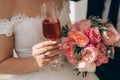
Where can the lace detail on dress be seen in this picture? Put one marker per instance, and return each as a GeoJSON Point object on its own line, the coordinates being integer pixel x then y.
{"type": "Point", "coordinates": [6, 27]}
{"type": "Point", "coordinates": [20, 17]}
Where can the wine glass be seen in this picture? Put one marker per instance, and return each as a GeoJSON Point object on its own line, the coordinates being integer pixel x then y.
{"type": "Point", "coordinates": [50, 24]}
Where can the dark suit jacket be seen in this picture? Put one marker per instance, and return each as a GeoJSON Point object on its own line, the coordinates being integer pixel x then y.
{"type": "Point", "coordinates": [96, 7]}
{"type": "Point", "coordinates": [111, 70]}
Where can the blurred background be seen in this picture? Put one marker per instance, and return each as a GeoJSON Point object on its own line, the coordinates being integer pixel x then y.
{"type": "Point", "coordinates": [78, 10]}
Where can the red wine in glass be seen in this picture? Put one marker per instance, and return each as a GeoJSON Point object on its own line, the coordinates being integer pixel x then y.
{"type": "Point", "coordinates": [51, 25]}
{"type": "Point", "coordinates": [51, 28]}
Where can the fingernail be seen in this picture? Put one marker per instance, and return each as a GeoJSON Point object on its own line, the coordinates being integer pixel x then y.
{"type": "Point", "coordinates": [54, 42]}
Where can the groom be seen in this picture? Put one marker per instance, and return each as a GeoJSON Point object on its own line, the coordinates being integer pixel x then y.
{"type": "Point", "coordinates": [107, 9]}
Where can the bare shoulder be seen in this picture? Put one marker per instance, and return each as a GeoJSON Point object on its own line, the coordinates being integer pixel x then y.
{"type": "Point", "coordinates": [6, 43]}
{"type": "Point", "coordinates": [59, 3]}
{"type": "Point", "coordinates": [6, 7]}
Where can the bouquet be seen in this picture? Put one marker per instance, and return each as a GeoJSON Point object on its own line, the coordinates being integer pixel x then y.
{"type": "Point", "coordinates": [89, 43]}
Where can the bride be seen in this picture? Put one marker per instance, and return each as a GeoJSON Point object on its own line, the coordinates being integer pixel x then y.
{"type": "Point", "coordinates": [21, 32]}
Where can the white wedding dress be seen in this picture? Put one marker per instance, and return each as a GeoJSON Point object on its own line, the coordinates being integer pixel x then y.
{"type": "Point", "coordinates": [28, 32]}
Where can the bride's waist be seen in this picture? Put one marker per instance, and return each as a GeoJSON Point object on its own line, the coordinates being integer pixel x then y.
{"type": "Point", "coordinates": [65, 67]}
{"type": "Point", "coordinates": [57, 66]}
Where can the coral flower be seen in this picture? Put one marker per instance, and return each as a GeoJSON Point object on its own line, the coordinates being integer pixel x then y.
{"type": "Point", "coordinates": [80, 38]}
{"type": "Point", "coordinates": [68, 50]}
{"type": "Point", "coordinates": [111, 36]}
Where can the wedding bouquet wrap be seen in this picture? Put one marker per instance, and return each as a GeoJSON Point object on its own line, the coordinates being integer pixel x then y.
{"type": "Point", "coordinates": [89, 43]}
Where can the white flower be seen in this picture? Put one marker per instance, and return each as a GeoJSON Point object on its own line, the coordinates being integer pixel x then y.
{"type": "Point", "coordinates": [89, 67]}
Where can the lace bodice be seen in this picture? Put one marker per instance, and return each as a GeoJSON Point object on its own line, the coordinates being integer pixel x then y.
{"type": "Point", "coordinates": [28, 30]}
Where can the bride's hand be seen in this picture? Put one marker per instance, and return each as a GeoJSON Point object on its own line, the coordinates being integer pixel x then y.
{"type": "Point", "coordinates": [45, 52]}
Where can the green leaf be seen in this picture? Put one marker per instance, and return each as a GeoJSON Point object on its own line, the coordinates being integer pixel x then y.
{"type": "Point", "coordinates": [109, 51]}
{"type": "Point", "coordinates": [103, 28]}
{"type": "Point", "coordinates": [84, 74]}
{"type": "Point", "coordinates": [65, 31]}
{"type": "Point", "coordinates": [76, 69]}
{"type": "Point", "coordinates": [94, 19]}
{"type": "Point", "coordinates": [78, 73]}
{"type": "Point", "coordinates": [77, 51]}
{"type": "Point", "coordinates": [96, 23]}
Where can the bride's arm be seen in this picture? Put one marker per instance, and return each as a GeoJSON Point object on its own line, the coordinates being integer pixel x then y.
{"type": "Point", "coordinates": [11, 65]}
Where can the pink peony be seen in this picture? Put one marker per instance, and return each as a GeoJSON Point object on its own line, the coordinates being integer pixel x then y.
{"type": "Point", "coordinates": [66, 39]}
{"type": "Point", "coordinates": [83, 25]}
{"type": "Point", "coordinates": [102, 49]}
{"type": "Point", "coordinates": [91, 45]}
{"type": "Point", "coordinates": [102, 55]}
{"type": "Point", "coordinates": [89, 54]}
{"type": "Point", "coordinates": [72, 28]}
{"type": "Point", "coordinates": [101, 59]}
{"type": "Point", "coordinates": [111, 36]}
{"type": "Point", "coordinates": [94, 35]}
{"type": "Point", "coordinates": [68, 50]}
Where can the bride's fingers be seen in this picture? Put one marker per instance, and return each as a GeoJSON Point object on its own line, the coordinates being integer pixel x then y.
{"type": "Point", "coordinates": [52, 53]}
{"type": "Point", "coordinates": [43, 61]}
{"type": "Point", "coordinates": [45, 43]}
{"type": "Point", "coordinates": [37, 52]}
{"type": "Point", "coordinates": [48, 60]}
